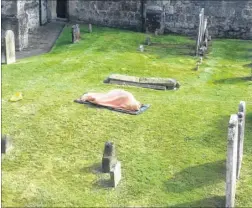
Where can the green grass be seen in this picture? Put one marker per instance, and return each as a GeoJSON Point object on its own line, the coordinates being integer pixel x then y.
{"type": "Point", "coordinates": [172, 155]}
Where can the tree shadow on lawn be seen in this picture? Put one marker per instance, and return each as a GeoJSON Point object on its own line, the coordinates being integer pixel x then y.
{"type": "Point", "coordinates": [197, 176]}
{"type": "Point", "coordinates": [215, 201]}
{"type": "Point", "coordinates": [234, 80]}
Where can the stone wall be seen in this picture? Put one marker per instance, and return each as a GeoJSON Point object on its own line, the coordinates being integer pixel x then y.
{"type": "Point", "coordinates": [117, 13]}
{"type": "Point", "coordinates": [20, 17]}
{"type": "Point", "coordinates": [227, 18]}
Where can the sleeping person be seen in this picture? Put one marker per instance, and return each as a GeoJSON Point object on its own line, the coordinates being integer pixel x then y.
{"type": "Point", "coordinates": [119, 99]}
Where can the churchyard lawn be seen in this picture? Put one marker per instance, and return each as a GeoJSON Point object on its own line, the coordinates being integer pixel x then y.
{"type": "Point", "coordinates": [172, 155]}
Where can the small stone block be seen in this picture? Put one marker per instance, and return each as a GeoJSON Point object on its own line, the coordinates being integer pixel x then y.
{"type": "Point", "coordinates": [115, 174]}
{"type": "Point", "coordinates": [90, 28]}
{"type": "Point", "coordinates": [6, 144]}
{"type": "Point", "coordinates": [109, 158]}
{"type": "Point", "coordinates": [108, 163]}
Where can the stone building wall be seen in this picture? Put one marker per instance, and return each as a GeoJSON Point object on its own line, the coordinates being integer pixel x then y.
{"type": "Point", "coordinates": [227, 18]}
{"type": "Point", "coordinates": [117, 13]}
{"type": "Point", "coordinates": [20, 17]}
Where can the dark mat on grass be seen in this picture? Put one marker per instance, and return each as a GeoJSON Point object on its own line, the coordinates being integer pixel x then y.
{"type": "Point", "coordinates": [143, 108]}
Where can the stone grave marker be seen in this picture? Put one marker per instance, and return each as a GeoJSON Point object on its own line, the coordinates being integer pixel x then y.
{"type": "Point", "coordinates": [6, 144]}
{"type": "Point", "coordinates": [141, 48]}
{"type": "Point", "coordinates": [74, 38]}
{"type": "Point", "coordinates": [115, 174]}
{"type": "Point", "coordinates": [109, 157]}
{"type": "Point", "coordinates": [75, 33]}
{"type": "Point", "coordinates": [90, 28]}
{"type": "Point", "coordinates": [147, 40]}
{"type": "Point", "coordinates": [231, 162]}
{"type": "Point", "coordinates": [10, 55]}
{"type": "Point", "coordinates": [241, 130]}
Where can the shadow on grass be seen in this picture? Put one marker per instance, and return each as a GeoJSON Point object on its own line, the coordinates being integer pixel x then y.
{"type": "Point", "coordinates": [103, 179]}
{"type": "Point", "coordinates": [95, 168]}
{"type": "Point", "coordinates": [248, 134]}
{"type": "Point", "coordinates": [197, 176]}
{"type": "Point", "coordinates": [234, 80]}
{"type": "Point", "coordinates": [215, 201]}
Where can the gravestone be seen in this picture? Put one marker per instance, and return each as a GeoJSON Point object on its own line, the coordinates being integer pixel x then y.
{"type": "Point", "coordinates": [74, 36]}
{"type": "Point", "coordinates": [147, 40]}
{"type": "Point", "coordinates": [241, 131]}
{"type": "Point", "coordinates": [6, 144]}
{"type": "Point", "coordinates": [10, 55]}
{"type": "Point", "coordinates": [75, 33]}
{"type": "Point", "coordinates": [90, 28]}
{"type": "Point", "coordinates": [141, 48]}
{"type": "Point", "coordinates": [109, 157]}
{"type": "Point", "coordinates": [231, 162]}
{"type": "Point", "coordinates": [115, 174]}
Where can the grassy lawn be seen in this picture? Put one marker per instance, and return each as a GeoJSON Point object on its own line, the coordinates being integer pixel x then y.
{"type": "Point", "coordinates": [172, 155]}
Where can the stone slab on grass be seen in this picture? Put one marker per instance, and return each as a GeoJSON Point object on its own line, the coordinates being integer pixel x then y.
{"type": "Point", "coordinates": [152, 82]}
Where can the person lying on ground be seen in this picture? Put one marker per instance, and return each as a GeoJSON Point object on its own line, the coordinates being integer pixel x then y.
{"type": "Point", "coordinates": [119, 99]}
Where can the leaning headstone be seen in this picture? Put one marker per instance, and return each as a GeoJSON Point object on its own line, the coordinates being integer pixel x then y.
{"type": "Point", "coordinates": [109, 157]}
{"type": "Point", "coordinates": [10, 55]}
{"type": "Point", "coordinates": [116, 174]}
{"type": "Point", "coordinates": [147, 40]}
{"type": "Point", "coordinates": [90, 28]}
{"type": "Point", "coordinates": [241, 130]}
{"type": "Point", "coordinates": [231, 162]}
{"type": "Point", "coordinates": [6, 144]}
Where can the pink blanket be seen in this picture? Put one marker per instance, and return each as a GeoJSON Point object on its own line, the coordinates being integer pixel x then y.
{"type": "Point", "coordinates": [118, 99]}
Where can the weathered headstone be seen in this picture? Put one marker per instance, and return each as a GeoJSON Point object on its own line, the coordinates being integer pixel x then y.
{"type": "Point", "coordinates": [115, 174]}
{"type": "Point", "coordinates": [141, 48]}
{"type": "Point", "coordinates": [75, 33]}
{"type": "Point", "coordinates": [241, 130]}
{"type": "Point", "coordinates": [6, 144]}
{"type": "Point", "coordinates": [109, 157]}
{"type": "Point", "coordinates": [231, 162]}
{"type": "Point", "coordinates": [147, 40]}
{"type": "Point", "coordinates": [90, 28]}
{"type": "Point", "coordinates": [10, 55]}
{"type": "Point", "coordinates": [156, 32]}
{"type": "Point", "coordinates": [201, 40]}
